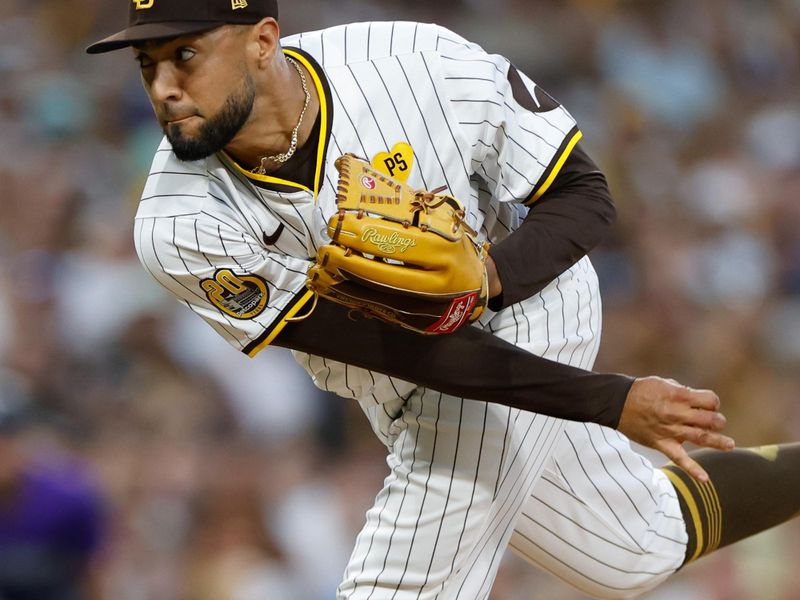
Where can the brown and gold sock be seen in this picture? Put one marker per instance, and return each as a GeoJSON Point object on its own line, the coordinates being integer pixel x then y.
{"type": "Point", "coordinates": [749, 490]}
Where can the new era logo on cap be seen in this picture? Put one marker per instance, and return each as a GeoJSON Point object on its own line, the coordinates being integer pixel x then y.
{"type": "Point", "coordinates": [238, 4]}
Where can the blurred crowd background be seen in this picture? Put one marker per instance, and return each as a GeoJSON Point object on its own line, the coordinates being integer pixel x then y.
{"type": "Point", "coordinates": [176, 468]}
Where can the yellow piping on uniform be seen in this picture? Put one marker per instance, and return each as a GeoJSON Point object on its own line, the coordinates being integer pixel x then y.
{"type": "Point", "coordinates": [323, 109]}
{"type": "Point", "coordinates": [268, 179]}
{"type": "Point", "coordinates": [279, 327]}
{"type": "Point", "coordinates": [715, 542]}
{"type": "Point", "coordinates": [561, 160]}
{"type": "Point", "coordinates": [264, 178]}
{"type": "Point", "coordinates": [678, 484]}
{"type": "Point", "coordinates": [705, 498]}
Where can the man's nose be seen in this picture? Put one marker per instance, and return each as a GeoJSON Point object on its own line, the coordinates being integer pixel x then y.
{"type": "Point", "coordinates": [165, 85]}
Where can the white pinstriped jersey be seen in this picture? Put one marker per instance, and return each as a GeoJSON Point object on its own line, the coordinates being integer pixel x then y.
{"type": "Point", "coordinates": [421, 102]}
{"type": "Point", "coordinates": [427, 106]}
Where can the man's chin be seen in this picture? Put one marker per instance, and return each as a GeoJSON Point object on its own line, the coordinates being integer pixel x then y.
{"type": "Point", "coordinates": [188, 150]}
{"type": "Point", "coordinates": [190, 155]}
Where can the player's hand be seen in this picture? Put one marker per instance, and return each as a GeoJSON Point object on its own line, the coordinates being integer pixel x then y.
{"type": "Point", "coordinates": [663, 414]}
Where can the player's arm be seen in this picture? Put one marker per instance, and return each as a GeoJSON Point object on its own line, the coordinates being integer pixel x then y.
{"type": "Point", "coordinates": [525, 146]}
{"type": "Point", "coordinates": [561, 227]}
{"type": "Point", "coordinates": [475, 364]}
{"type": "Point", "coordinates": [250, 296]}
{"type": "Point", "coordinates": [469, 363]}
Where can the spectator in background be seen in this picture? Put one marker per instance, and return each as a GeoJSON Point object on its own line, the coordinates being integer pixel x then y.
{"type": "Point", "coordinates": [51, 517]}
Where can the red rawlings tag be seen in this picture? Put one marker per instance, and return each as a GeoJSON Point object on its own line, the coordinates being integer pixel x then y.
{"type": "Point", "coordinates": [457, 313]}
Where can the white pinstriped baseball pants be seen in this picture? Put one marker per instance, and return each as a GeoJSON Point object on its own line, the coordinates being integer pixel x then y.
{"type": "Point", "coordinates": [467, 479]}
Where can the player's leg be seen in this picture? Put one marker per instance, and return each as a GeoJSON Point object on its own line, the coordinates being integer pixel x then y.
{"type": "Point", "coordinates": [601, 518]}
{"type": "Point", "coordinates": [461, 470]}
{"type": "Point", "coordinates": [563, 323]}
{"type": "Point", "coordinates": [620, 535]}
{"type": "Point", "coordinates": [750, 490]}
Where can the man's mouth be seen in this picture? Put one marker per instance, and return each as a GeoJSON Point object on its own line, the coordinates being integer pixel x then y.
{"type": "Point", "coordinates": [178, 121]}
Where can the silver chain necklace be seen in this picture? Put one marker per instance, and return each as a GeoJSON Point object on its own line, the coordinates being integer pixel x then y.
{"type": "Point", "coordinates": [283, 157]}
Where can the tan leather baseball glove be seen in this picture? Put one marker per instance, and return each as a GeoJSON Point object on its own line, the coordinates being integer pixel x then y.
{"type": "Point", "coordinates": [401, 255]}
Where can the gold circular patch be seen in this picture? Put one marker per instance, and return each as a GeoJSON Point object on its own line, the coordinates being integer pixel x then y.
{"type": "Point", "coordinates": [238, 296]}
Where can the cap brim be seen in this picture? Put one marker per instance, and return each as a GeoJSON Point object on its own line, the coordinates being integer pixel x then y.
{"type": "Point", "coordinates": [150, 31]}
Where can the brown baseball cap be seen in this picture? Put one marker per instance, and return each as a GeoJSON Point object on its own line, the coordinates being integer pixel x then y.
{"type": "Point", "coordinates": [162, 19]}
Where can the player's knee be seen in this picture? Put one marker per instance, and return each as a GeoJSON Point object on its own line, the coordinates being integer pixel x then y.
{"type": "Point", "coordinates": [626, 573]}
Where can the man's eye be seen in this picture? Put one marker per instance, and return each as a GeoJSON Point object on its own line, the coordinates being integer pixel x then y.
{"type": "Point", "coordinates": [184, 54]}
{"type": "Point", "coordinates": [144, 62]}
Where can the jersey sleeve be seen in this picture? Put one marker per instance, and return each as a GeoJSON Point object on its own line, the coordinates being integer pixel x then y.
{"type": "Point", "coordinates": [519, 135]}
{"type": "Point", "coordinates": [245, 292]}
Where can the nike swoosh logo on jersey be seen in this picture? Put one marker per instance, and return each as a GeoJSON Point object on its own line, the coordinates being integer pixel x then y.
{"type": "Point", "coordinates": [270, 240]}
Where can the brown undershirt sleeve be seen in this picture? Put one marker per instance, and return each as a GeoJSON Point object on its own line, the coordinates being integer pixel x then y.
{"type": "Point", "coordinates": [568, 221]}
{"type": "Point", "coordinates": [469, 363]}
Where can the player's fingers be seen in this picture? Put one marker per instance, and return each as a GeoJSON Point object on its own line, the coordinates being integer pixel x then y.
{"type": "Point", "coordinates": [677, 454]}
{"type": "Point", "coordinates": [704, 419]}
{"type": "Point", "coordinates": [704, 399]}
{"type": "Point", "coordinates": [678, 412]}
{"type": "Point", "coordinates": [705, 438]}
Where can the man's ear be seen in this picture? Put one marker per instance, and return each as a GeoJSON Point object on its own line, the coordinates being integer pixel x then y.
{"type": "Point", "coordinates": [264, 41]}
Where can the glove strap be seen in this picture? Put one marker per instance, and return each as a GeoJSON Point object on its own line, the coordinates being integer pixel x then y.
{"type": "Point", "coordinates": [308, 314]}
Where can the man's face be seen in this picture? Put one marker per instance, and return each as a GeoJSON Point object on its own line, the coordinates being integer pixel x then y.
{"type": "Point", "coordinates": [200, 88]}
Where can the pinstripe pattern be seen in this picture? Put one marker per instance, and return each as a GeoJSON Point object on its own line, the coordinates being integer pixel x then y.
{"type": "Point", "coordinates": [443, 536]}
{"type": "Point", "coordinates": [388, 82]}
{"type": "Point", "coordinates": [506, 148]}
{"type": "Point", "coordinates": [601, 518]}
{"type": "Point", "coordinates": [214, 221]}
{"type": "Point", "coordinates": [606, 550]}
{"type": "Point", "coordinates": [463, 474]}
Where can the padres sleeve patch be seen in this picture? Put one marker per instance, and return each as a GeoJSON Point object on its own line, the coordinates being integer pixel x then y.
{"type": "Point", "coordinates": [238, 296]}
